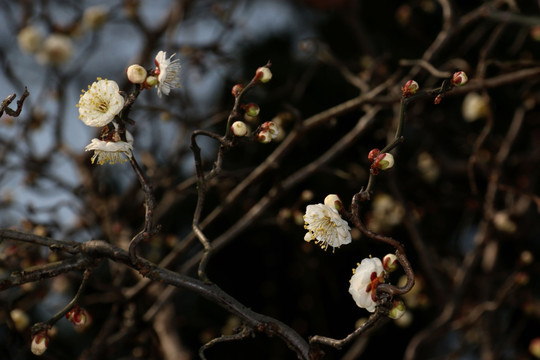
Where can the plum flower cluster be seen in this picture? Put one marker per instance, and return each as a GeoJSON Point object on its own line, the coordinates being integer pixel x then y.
{"type": "Point", "coordinates": [101, 105]}
{"type": "Point", "coordinates": [325, 225]}
{"type": "Point", "coordinates": [268, 130]}
{"type": "Point", "coordinates": [98, 107]}
{"type": "Point", "coordinates": [165, 77]}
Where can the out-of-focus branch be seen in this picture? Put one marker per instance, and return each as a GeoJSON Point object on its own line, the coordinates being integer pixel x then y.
{"type": "Point", "coordinates": [4, 107]}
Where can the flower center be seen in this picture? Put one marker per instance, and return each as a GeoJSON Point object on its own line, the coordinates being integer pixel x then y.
{"type": "Point", "coordinates": [375, 281]}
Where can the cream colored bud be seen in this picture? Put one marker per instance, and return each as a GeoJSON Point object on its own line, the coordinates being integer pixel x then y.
{"type": "Point", "coordinates": [239, 128]}
{"type": "Point", "coordinates": [263, 74]}
{"type": "Point", "coordinates": [397, 310]}
{"type": "Point", "coordinates": [40, 342]}
{"type": "Point", "coordinates": [386, 162]}
{"type": "Point", "coordinates": [334, 202]}
{"type": "Point", "coordinates": [136, 74]}
{"type": "Point", "coordinates": [390, 263]}
{"type": "Point", "coordinates": [460, 78]}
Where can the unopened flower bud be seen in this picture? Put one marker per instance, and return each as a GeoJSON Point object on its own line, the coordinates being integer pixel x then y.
{"type": "Point", "coordinates": [459, 78]}
{"type": "Point", "coordinates": [263, 74]}
{"type": "Point", "coordinates": [397, 310]}
{"type": "Point", "coordinates": [384, 161]}
{"type": "Point", "coordinates": [438, 99]}
{"type": "Point", "coordinates": [136, 74]}
{"type": "Point", "coordinates": [150, 81]}
{"type": "Point", "coordinates": [410, 88]}
{"type": "Point", "coordinates": [334, 202]}
{"type": "Point", "coordinates": [390, 263]}
{"type": "Point", "coordinates": [270, 127]}
{"type": "Point", "coordinates": [263, 137]}
{"type": "Point", "coordinates": [237, 89]}
{"type": "Point", "coordinates": [373, 155]}
{"type": "Point", "coordinates": [40, 342]}
{"type": "Point", "coordinates": [252, 109]}
{"type": "Point", "coordinates": [239, 128]}
{"type": "Point", "coordinates": [77, 316]}
{"type": "Point", "coordinates": [534, 347]}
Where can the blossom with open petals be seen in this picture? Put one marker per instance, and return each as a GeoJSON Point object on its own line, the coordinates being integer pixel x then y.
{"type": "Point", "coordinates": [112, 152]}
{"type": "Point", "coordinates": [366, 277]}
{"type": "Point", "coordinates": [326, 227]}
{"type": "Point", "coordinates": [101, 103]}
{"type": "Point", "coordinates": [168, 72]}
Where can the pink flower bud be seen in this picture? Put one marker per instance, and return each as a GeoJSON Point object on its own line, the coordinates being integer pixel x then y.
{"type": "Point", "coordinates": [459, 79]}
{"type": "Point", "coordinates": [239, 128]}
{"type": "Point", "coordinates": [77, 316]}
{"type": "Point", "coordinates": [271, 128]}
{"type": "Point", "coordinates": [40, 342]}
{"type": "Point", "coordinates": [334, 202]}
{"type": "Point", "coordinates": [263, 74]}
{"type": "Point", "coordinates": [237, 89]}
{"type": "Point", "coordinates": [390, 263]}
{"type": "Point", "coordinates": [410, 88]}
{"type": "Point", "coordinates": [263, 137]}
{"type": "Point", "coordinates": [438, 99]}
{"type": "Point", "coordinates": [373, 155]}
{"type": "Point", "coordinates": [136, 74]}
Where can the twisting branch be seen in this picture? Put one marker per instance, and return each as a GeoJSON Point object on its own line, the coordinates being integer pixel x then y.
{"type": "Point", "coordinates": [149, 203]}
{"type": "Point", "coordinates": [243, 334]}
{"type": "Point", "coordinates": [201, 193]}
{"type": "Point", "coordinates": [338, 344]}
{"type": "Point", "coordinates": [46, 325]}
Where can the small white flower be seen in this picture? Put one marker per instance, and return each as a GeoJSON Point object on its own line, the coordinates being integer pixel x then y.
{"type": "Point", "coordinates": [366, 277]}
{"type": "Point", "coordinates": [326, 227]}
{"type": "Point", "coordinates": [168, 72]}
{"type": "Point", "coordinates": [101, 103]}
{"type": "Point", "coordinates": [111, 152]}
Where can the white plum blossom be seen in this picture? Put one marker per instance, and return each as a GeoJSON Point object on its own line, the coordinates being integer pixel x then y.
{"type": "Point", "coordinates": [326, 227]}
{"type": "Point", "coordinates": [112, 152]}
{"type": "Point", "coordinates": [168, 72]}
{"type": "Point", "coordinates": [57, 49]}
{"type": "Point", "coordinates": [366, 277]}
{"type": "Point", "coordinates": [100, 103]}
{"type": "Point", "coordinates": [30, 39]}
